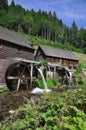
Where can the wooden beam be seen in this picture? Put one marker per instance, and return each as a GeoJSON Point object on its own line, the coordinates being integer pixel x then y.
{"type": "Point", "coordinates": [18, 84]}
{"type": "Point", "coordinates": [54, 71]}
{"type": "Point", "coordinates": [17, 77]}
{"type": "Point", "coordinates": [31, 74]}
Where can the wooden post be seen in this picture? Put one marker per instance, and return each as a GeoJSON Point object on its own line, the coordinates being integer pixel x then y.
{"type": "Point", "coordinates": [31, 74]}
{"type": "Point", "coordinates": [54, 71]}
{"type": "Point", "coordinates": [26, 83]}
{"type": "Point", "coordinates": [18, 84]}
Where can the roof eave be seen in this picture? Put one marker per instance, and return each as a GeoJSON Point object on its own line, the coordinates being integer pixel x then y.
{"type": "Point", "coordinates": [18, 44]}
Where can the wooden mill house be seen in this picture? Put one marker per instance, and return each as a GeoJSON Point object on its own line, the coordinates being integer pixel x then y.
{"type": "Point", "coordinates": [55, 55]}
{"type": "Point", "coordinates": [12, 47]}
{"type": "Point", "coordinates": [58, 59]}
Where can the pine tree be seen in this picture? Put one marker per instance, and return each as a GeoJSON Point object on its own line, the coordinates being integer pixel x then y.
{"type": "Point", "coordinates": [74, 34]}
{"type": "Point", "coordinates": [3, 4]}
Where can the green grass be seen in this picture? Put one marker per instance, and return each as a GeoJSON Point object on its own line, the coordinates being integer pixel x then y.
{"type": "Point", "coordinates": [35, 40]}
{"type": "Point", "coordinates": [81, 56]}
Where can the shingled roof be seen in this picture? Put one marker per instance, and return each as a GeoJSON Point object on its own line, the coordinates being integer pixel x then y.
{"type": "Point", "coordinates": [59, 53]}
{"type": "Point", "coordinates": [14, 37]}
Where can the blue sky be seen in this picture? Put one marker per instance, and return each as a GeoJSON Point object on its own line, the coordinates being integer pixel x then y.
{"type": "Point", "coordinates": [67, 10]}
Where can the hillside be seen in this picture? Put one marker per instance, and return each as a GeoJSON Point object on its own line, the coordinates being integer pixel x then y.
{"type": "Point", "coordinates": [81, 56]}
{"type": "Point", "coordinates": [38, 41]}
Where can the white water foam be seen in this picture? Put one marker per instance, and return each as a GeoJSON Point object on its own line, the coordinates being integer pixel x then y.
{"type": "Point", "coordinates": [40, 91]}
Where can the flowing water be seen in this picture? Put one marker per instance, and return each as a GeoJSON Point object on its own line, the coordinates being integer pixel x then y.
{"type": "Point", "coordinates": [43, 79]}
{"type": "Point", "coordinates": [39, 90]}
{"type": "Point", "coordinates": [69, 77]}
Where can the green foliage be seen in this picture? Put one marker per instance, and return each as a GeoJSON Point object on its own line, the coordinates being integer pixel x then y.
{"type": "Point", "coordinates": [3, 89]}
{"type": "Point", "coordinates": [84, 50]}
{"type": "Point", "coordinates": [39, 40]}
{"type": "Point", "coordinates": [83, 66]}
{"type": "Point", "coordinates": [78, 70]}
{"type": "Point", "coordinates": [80, 81]}
{"type": "Point", "coordinates": [44, 63]}
{"type": "Point", "coordinates": [56, 111]}
{"type": "Point", "coordinates": [40, 83]}
{"type": "Point", "coordinates": [3, 4]}
{"type": "Point", "coordinates": [51, 82]}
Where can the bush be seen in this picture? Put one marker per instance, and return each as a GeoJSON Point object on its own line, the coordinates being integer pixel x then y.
{"type": "Point", "coordinates": [80, 81]}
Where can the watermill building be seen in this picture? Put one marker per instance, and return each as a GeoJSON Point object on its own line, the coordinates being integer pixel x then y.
{"type": "Point", "coordinates": [12, 46]}
{"type": "Point", "coordinates": [55, 55]}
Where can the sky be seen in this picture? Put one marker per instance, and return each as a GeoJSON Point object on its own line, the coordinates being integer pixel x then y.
{"type": "Point", "coordinates": [67, 10]}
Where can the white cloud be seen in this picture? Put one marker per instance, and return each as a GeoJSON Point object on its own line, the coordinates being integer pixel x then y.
{"type": "Point", "coordinates": [73, 15]}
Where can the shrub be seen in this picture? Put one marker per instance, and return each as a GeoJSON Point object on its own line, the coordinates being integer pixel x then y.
{"type": "Point", "coordinates": [80, 81]}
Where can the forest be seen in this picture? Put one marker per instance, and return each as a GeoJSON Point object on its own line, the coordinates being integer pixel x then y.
{"type": "Point", "coordinates": [41, 24]}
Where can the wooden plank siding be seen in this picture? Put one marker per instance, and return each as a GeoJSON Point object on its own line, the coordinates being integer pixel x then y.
{"type": "Point", "coordinates": [61, 61]}
{"type": "Point", "coordinates": [9, 51]}
{"type": "Point", "coordinates": [3, 67]}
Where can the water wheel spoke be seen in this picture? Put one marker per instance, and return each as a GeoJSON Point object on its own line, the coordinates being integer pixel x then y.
{"type": "Point", "coordinates": [22, 73]}
{"type": "Point", "coordinates": [12, 77]}
{"type": "Point", "coordinates": [18, 84]}
{"type": "Point", "coordinates": [17, 76]}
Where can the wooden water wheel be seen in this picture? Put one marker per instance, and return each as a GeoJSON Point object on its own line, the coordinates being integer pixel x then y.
{"type": "Point", "coordinates": [17, 75]}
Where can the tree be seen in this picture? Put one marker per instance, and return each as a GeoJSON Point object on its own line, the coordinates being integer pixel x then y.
{"type": "Point", "coordinates": [50, 15]}
{"type": "Point", "coordinates": [82, 38]}
{"type": "Point", "coordinates": [4, 5]}
{"type": "Point", "coordinates": [74, 34]}
{"type": "Point", "coordinates": [3, 12]}
{"type": "Point", "coordinates": [54, 15]}
{"type": "Point", "coordinates": [12, 3]}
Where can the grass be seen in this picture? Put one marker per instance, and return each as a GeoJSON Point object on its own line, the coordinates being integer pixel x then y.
{"type": "Point", "coordinates": [81, 56]}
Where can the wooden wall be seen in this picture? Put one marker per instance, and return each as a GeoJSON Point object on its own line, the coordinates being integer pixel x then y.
{"type": "Point", "coordinates": [3, 67]}
{"type": "Point", "coordinates": [9, 51]}
{"type": "Point", "coordinates": [41, 56]}
{"type": "Point", "coordinates": [61, 61]}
